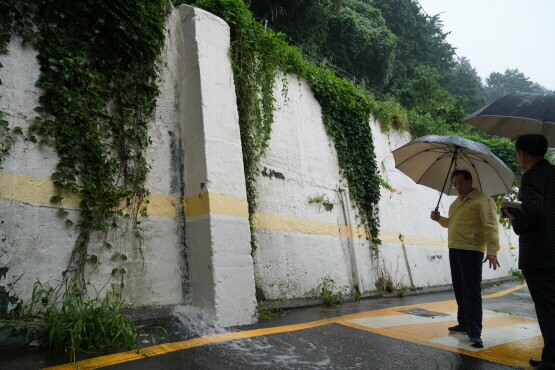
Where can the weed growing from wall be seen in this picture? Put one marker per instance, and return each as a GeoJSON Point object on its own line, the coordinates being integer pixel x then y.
{"type": "Point", "coordinates": [331, 295]}
{"type": "Point", "coordinates": [259, 55]}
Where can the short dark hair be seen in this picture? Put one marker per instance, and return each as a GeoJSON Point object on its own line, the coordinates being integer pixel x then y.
{"type": "Point", "coordinates": [534, 144]}
{"type": "Point", "coordinates": [467, 175]}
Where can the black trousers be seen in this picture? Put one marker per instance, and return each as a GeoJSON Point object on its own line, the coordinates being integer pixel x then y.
{"type": "Point", "coordinates": [541, 284]}
{"type": "Point", "coordinates": [466, 274]}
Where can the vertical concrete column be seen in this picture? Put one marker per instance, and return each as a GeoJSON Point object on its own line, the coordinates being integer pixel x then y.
{"type": "Point", "coordinates": [217, 228]}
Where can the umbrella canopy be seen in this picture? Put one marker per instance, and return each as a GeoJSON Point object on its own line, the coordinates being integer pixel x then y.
{"type": "Point", "coordinates": [429, 160]}
{"type": "Point", "coordinates": [518, 114]}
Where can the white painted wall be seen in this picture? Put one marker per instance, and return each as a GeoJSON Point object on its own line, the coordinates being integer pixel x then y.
{"type": "Point", "coordinates": [292, 264]}
{"type": "Point", "coordinates": [196, 160]}
{"type": "Point", "coordinates": [196, 152]}
{"type": "Point", "coordinates": [37, 243]}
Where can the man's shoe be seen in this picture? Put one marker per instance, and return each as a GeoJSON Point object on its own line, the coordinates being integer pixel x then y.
{"type": "Point", "coordinates": [456, 329]}
{"type": "Point", "coordinates": [534, 362]}
{"type": "Point", "coordinates": [476, 341]}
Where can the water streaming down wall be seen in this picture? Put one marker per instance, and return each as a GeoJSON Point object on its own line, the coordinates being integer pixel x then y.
{"type": "Point", "coordinates": [197, 240]}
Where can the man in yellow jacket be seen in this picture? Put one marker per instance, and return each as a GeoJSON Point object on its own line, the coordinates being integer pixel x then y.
{"type": "Point", "coordinates": [472, 232]}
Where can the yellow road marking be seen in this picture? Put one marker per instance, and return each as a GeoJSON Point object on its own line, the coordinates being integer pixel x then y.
{"type": "Point", "coordinates": [504, 292]}
{"type": "Point", "coordinates": [97, 362]}
{"type": "Point", "coordinates": [418, 339]}
{"type": "Point", "coordinates": [408, 333]}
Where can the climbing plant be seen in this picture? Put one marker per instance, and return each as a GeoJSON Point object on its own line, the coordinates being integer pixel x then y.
{"type": "Point", "coordinates": [259, 56]}
{"type": "Point", "coordinates": [98, 74]}
{"type": "Point", "coordinates": [98, 70]}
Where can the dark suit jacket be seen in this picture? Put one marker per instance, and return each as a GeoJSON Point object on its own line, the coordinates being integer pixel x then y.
{"type": "Point", "coordinates": [535, 223]}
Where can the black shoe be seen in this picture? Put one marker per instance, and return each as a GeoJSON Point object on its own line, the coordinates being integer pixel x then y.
{"type": "Point", "coordinates": [535, 362]}
{"type": "Point", "coordinates": [456, 329]}
{"type": "Point", "coordinates": [476, 341]}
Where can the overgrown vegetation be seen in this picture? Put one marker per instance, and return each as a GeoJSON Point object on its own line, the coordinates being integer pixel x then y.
{"type": "Point", "coordinates": [418, 68]}
{"type": "Point", "coordinates": [332, 295]}
{"type": "Point", "coordinates": [78, 323]}
{"type": "Point", "coordinates": [259, 56]}
{"type": "Point", "coordinates": [323, 200]}
{"type": "Point", "coordinates": [517, 274]}
{"type": "Point", "coordinates": [98, 76]}
{"type": "Point", "coordinates": [269, 313]}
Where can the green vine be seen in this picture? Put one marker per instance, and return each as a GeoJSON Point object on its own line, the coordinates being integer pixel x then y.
{"type": "Point", "coordinates": [98, 73]}
{"type": "Point", "coordinates": [258, 56]}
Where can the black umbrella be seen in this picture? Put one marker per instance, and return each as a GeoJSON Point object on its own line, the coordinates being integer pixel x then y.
{"type": "Point", "coordinates": [518, 114]}
{"type": "Point", "coordinates": [429, 160]}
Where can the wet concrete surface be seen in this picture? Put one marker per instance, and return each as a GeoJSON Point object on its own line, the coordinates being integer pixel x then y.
{"type": "Point", "coordinates": [313, 338]}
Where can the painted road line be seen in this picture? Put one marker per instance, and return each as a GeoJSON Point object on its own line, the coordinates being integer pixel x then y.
{"type": "Point", "coordinates": [508, 339]}
{"type": "Point", "coordinates": [495, 336]}
{"type": "Point", "coordinates": [408, 319]}
{"type": "Point", "coordinates": [504, 292]}
{"type": "Point", "coordinates": [117, 358]}
{"type": "Point", "coordinates": [394, 322]}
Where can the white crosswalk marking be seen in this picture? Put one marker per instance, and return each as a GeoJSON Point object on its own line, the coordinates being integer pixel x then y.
{"type": "Point", "coordinates": [406, 319]}
{"type": "Point", "coordinates": [492, 337]}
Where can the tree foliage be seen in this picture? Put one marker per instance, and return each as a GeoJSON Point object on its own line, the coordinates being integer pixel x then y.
{"type": "Point", "coordinates": [419, 40]}
{"type": "Point", "coordinates": [349, 34]}
{"type": "Point", "coordinates": [511, 81]}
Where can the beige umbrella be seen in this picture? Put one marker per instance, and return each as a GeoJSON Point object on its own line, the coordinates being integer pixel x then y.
{"type": "Point", "coordinates": [429, 160]}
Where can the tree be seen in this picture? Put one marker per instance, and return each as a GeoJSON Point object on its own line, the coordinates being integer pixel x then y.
{"type": "Point", "coordinates": [349, 34]}
{"type": "Point", "coordinates": [420, 40]}
{"type": "Point", "coordinates": [463, 80]}
{"type": "Point", "coordinates": [512, 81]}
{"type": "Point", "coordinates": [359, 42]}
{"type": "Point", "coordinates": [303, 21]}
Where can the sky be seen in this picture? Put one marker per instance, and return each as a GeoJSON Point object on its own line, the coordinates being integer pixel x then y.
{"type": "Point", "coordinates": [499, 34]}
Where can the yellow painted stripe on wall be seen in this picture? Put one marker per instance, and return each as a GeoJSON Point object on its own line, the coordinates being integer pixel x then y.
{"type": "Point", "coordinates": [300, 225]}
{"type": "Point", "coordinates": [216, 203]}
{"type": "Point", "coordinates": [38, 190]}
{"type": "Point", "coordinates": [30, 189]}
{"type": "Point", "coordinates": [162, 205]}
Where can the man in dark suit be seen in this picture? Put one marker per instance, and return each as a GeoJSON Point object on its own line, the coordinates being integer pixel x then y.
{"type": "Point", "coordinates": [535, 225]}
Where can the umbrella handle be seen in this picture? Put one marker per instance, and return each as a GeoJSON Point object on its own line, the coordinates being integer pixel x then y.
{"type": "Point", "coordinates": [446, 177]}
{"type": "Point", "coordinates": [437, 206]}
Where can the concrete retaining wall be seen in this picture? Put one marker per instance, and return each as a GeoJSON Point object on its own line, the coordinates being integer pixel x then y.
{"type": "Point", "coordinates": [196, 246]}
{"type": "Point", "coordinates": [300, 244]}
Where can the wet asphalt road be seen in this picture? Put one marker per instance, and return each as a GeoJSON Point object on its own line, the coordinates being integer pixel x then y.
{"type": "Point", "coordinates": [328, 345]}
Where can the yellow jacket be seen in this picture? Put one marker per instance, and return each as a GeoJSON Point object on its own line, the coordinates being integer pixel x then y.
{"type": "Point", "coordinates": [472, 224]}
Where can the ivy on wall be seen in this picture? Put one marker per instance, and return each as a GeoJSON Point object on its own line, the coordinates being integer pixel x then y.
{"type": "Point", "coordinates": [258, 56]}
{"type": "Point", "coordinates": [98, 76]}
